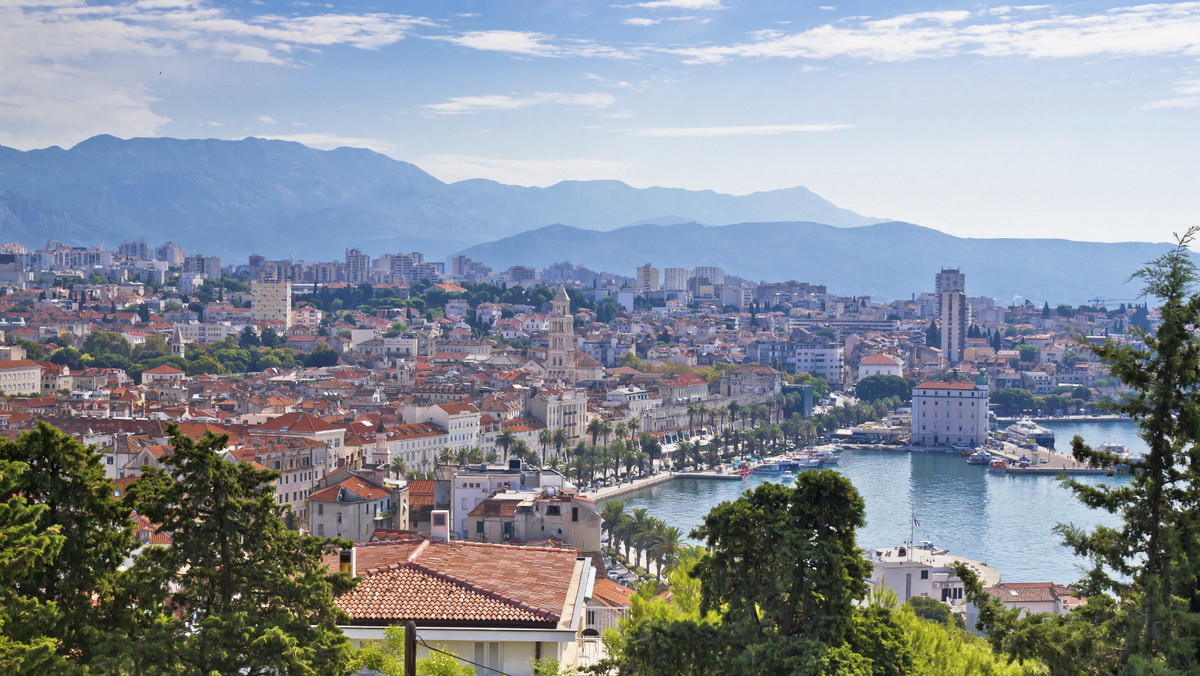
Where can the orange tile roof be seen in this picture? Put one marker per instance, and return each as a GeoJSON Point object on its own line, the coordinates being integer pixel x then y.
{"type": "Point", "coordinates": [448, 584]}
{"type": "Point", "coordinates": [363, 488]}
{"type": "Point", "coordinates": [935, 385]}
{"type": "Point", "coordinates": [611, 594]}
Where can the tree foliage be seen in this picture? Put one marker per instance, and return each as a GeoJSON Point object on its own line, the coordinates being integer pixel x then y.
{"type": "Point", "coordinates": [250, 595]}
{"type": "Point", "coordinates": [874, 388]}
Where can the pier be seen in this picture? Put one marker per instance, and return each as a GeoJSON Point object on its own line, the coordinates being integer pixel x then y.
{"type": "Point", "coordinates": [1056, 463]}
{"type": "Point", "coordinates": [716, 476]}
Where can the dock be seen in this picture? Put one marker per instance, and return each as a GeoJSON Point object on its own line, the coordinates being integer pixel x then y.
{"type": "Point", "coordinates": [1056, 463]}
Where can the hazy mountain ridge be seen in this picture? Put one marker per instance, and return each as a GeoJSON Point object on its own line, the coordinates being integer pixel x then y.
{"type": "Point", "coordinates": [887, 260]}
{"type": "Point", "coordinates": [230, 198]}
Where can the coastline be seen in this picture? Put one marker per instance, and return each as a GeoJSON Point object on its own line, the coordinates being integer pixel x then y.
{"type": "Point", "coordinates": [610, 492]}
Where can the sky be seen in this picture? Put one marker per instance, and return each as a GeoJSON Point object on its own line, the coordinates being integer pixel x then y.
{"type": "Point", "coordinates": [1077, 120]}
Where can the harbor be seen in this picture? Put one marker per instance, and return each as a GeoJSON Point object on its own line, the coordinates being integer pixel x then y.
{"type": "Point", "coordinates": [1004, 520]}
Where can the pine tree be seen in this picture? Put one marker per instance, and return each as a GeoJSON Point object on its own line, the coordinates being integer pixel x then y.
{"type": "Point", "coordinates": [23, 546]}
{"type": "Point", "coordinates": [1143, 590]}
{"type": "Point", "coordinates": [65, 479]}
{"type": "Point", "coordinates": [251, 596]}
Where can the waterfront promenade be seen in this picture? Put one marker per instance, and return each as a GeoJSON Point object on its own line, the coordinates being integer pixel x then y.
{"type": "Point", "coordinates": [1056, 462]}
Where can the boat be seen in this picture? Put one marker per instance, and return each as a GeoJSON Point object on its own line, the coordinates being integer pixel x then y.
{"type": "Point", "coordinates": [767, 468]}
{"type": "Point", "coordinates": [1027, 431]}
{"type": "Point", "coordinates": [979, 458]}
{"type": "Point", "coordinates": [743, 472]}
{"type": "Point", "coordinates": [998, 466]}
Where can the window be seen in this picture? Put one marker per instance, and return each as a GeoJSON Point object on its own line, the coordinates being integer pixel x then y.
{"type": "Point", "coordinates": [439, 519]}
{"type": "Point", "coordinates": [479, 526]}
{"type": "Point", "coordinates": [552, 510]}
{"type": "Point", "coordinates": [488, 656]}
{"type": "Point", "coordinates": [574, 513]}
{"type": "Point", "coordinates": [339, 517]}
{"type": "Point", "coordinates": [924, 575]}
{"type": "Point", "coordinates": [591, 617]}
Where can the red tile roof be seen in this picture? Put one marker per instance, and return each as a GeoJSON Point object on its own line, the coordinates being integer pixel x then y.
{"type": "Point", "coordinates": [363, 488]}
{"type": "Point", "coordinates": [295, 422]}
{"type": "Point", "coordinates": [611, 594]}
{"type": "Point", "coordinates": [453, 584]}
{"type": "Point", "coordinates": [937, 385]}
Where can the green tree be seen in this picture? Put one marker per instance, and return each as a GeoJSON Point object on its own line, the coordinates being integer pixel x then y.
{"type": "Point", "coordinates": [934, 611]}
{"type": "Point", "coordinates": [24, 547]}
{"type": "Point", "coordinates": [250, 596]}
{"type": "Point", "coordinates": [1029, 353]}
{"type": "Point", "coordinates": [386, 657]}
{"type": "Point", "coordinates": [1143, 610]}
{"type": "Point", "coordinates": [322, 355]}
{"type": "Point", "coordinates": [878, 387]}
{"type": "Point", "coordinates": [65, 481]}
{"type": "Point", "coordinates": [106, 342]}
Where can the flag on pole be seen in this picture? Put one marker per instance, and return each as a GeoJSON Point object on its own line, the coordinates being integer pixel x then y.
{"type": "Point", "coordinates": [915, 522]}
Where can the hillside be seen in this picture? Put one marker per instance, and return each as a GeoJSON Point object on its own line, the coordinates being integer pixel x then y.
{"type": "Point", "coordinates": [886, 260]}
{"type": "Point", "coordinates": [231, 198]}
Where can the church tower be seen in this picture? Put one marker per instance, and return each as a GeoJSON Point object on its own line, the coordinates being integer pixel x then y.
{"type": "Point", "coordinates": [176, 342]}
{"type": "Point", "coordinates": [560, 358]}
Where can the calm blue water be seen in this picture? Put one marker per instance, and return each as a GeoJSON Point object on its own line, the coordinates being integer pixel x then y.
{"type": "Point", "coordinates": [1001, 520]}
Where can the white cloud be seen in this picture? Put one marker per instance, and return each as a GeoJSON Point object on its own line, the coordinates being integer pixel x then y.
{"type": "Point", "coordinates": [266, 119]}
{"type": "Point", "coordinates": [678, 4]}
{"type": "Point", "coordinates": [1187, 96]}
{"type": "Point", "coordinates": [641, 21]}
{"type": "Point", "coordinates": [69, 70]}
{"type": "Point", "coordinates": [1181, 102]}
{"type": "Point", "coordinates": [1143, 30]}
{"type": "Point", "coordinates": [331, 141]}
{"type": "Point", "coordinates": [532, 172]}
{"type": "Point", "coordinates": [474, 104]}
{"type": "Point", "coordinates": [718, 132]}
{"type": "Point", "coordinates": [527, 43]}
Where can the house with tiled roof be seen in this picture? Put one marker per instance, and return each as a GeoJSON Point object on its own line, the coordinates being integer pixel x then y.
{"type": "Point", "coordinates": [879, 365]}
{"type": "Point", "coordinates": [500, 606]}
{"type": "Point", "coordinates": [310, 427]}
{"type": "Point", "coordinates": [354, 507]}
{"type": "Point", "coordinates": [520, 517]}
{"type": "Point", "coordinates": [607, 604]}
{"type": "Point", "coordinates": [1036, 597]}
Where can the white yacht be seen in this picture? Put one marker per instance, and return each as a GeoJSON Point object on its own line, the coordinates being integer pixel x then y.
{"type": "Point", "coordinates": [1025, 430]}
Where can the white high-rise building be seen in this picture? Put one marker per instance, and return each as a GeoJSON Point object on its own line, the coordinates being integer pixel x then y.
{"type": "Point", "coordinates": [647, 279]}
{"type": "Point", "coordinates": [676, 279]}
{"type": "Point", "coordinates": [358, 266]}
{"type": "Point", "coordinates": [271, 300]}
{"type": "Point", "coordinates": [715, 275]}
{"type": "Point", "coordinates": [952, 310]}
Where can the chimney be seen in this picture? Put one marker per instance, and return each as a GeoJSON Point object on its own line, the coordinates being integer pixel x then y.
{"type": "Point", "coordinates": [439, 525]}
{"type": "Point", "coordinates": [347, 561]}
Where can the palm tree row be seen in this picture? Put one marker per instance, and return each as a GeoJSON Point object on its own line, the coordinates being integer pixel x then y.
{"type": "Point", "coordinates": [643, 533]}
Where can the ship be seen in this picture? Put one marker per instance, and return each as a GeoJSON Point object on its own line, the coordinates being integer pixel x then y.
{"type": "Point", "coordinates": [1026, 431]}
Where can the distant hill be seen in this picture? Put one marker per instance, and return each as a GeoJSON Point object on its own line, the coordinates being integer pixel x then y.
{"type": "Point", "coordinates": [887, 260]}
{"type": "Point", "coordinates": [232, 198]}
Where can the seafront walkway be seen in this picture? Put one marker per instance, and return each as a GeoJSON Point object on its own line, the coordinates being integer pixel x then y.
{"type": "Point", "coordinates": [607, 493]}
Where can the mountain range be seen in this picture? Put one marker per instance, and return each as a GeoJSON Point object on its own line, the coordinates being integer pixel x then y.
{"type": "Point", "coordinates": [280, 199]}
{"type": "Point", "coordinates": [886, 260]}
{"type": "Point", "coordinates": [231, 198]}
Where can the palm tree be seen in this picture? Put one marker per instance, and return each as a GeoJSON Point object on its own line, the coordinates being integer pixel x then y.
{"type": "Point", "coordinates": [616, 451]}
{"type": "Point", "coordinates": [734, 410]}
{"type": "Point", "coordinates": [398, 467]}
{"type": "Point", "coordinates": [641, 525]}
{"type": "Point", "coordinates": [622, 429]}
{"type": "Point", "coordinates": [505, 440]}
{"type": "Point", "coordinates": [624, 531]}
{"type": "Point", "coordinates": [545, 438]}
{"type": "Point", "coordinates": [666, 546]}
{"type": "Point", "coordinates": [520, 450]}
{"type": "Point", "coordinates": [560, 440]}
{"type": "Point", "coordinates": [684, 450]}
{"type": "Point", "coordinates": [633, 426]}
{"type": "Point", "coordinates": [610, 518]}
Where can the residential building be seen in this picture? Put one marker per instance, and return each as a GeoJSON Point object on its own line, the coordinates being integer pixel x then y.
{"type": "Point", "coordinates": [351, 508]}
{"type": "Point", "coordinates": [879, 365]}
{"type": "Point", "coordinates": [20, 376]}
{"type": "Point", "coordinates": [501, 607]}
{"type": "Point", "coordinates": [511, 517]}
{"type": "Point", "coordinates": [358, 266]}
{"type": "Point", "coordinates": [565, 409]}
{"type": "Point", "coordinates": [171, 253]}
{"type": "Point", "coordinates": [714, 275]}
{"type": "Point", "coordinates": [676, 279]}
{"type": "Point", "coordinates": [476, 483]}
{"type": "Point", "coordinates": [271, 301]}
{"type": "Point", "coordinates": [647, 279]}
{"type": "Point", "coordinates": [803, 353]}
{"type": "Point", "coordinates": [608, 603]}
{"type": "Point", "coordinates": [950, 413]}
{"type": "Point", "coordinates": [1036, 597]}
{"type": "Point", "coordinates": [952, 310]}
{"type": "Point", "coordinates": [924, 571]}
{"type": "Point", "coordinates": [208, 267]}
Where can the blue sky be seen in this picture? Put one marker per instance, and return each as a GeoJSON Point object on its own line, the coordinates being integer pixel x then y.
{"type": "Point", "coordinates": [1078, 120]}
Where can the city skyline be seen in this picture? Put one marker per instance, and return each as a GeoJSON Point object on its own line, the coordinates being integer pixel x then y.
{"type": "Point", "coordinates": [1074, 121]}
